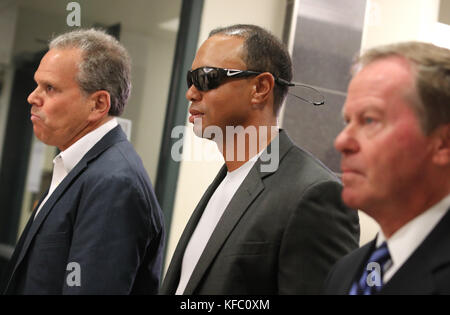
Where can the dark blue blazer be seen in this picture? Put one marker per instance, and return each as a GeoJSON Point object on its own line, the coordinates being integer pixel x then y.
{"type": "Point", "coordinates": [105, 218]}
{"type": "Point", "coordinates": [427, 270]}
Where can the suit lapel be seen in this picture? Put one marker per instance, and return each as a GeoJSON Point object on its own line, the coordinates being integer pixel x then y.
{"type": "Point", "coordinates": [251, 187]}
{"type": "Point", "coordinates": [48, 206]}
{"type": "Point", "coordinates": [114, 136]}
{"type": "Point", "coordinates": [173, 272]}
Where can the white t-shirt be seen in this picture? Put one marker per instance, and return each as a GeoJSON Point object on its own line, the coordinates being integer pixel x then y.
{"type": "Point", "coordinates": [210, 217]}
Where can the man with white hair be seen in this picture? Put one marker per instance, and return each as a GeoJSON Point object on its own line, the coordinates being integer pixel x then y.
{"type": "Point", "coordinates": [396, 168]}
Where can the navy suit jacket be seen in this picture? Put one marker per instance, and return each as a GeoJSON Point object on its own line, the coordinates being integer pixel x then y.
{"type": "Point", "coordinates": [427, 270]}
{"type": "Point", "coordinates": [105, 218]}
{"type": "Point", "coordinates": [281, 233]}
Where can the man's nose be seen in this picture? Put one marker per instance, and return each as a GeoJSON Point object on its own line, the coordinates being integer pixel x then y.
{"type": "Point", "coordinates": [193, 94]}
{"type": "Point", "coordinates": [34, 99]}
{"type": "Point", "coordinates": [346, 142]}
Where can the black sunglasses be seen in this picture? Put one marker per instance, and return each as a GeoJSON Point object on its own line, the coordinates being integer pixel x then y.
{"type": "Point", "coordinates": [208, 78]}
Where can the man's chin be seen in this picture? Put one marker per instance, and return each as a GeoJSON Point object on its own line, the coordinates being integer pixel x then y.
{"type": "Point", "coordinates": [350, 198]}
{"type": "Point", "coordinates": [198, 131]}
{"type": "Point", "coordinates": [38, 134]}
{"type": "Point", "coordinates": [208, 136]}
{"type": "Point", "coordinates": [41, 137]}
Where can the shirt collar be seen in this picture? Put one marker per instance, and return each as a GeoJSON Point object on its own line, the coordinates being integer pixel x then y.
{"type": "Point", "coordinates": [406, 240]}
{"type": "Point", "coordinates": [73, 154]}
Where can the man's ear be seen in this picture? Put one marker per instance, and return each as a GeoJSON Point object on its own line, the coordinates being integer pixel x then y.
{"type": "Point", "coordinates": [101, 103]}
{"type": "Point", "coordinates": [442, 145]}
{"type": "Point", "coordinates": [263, 88]}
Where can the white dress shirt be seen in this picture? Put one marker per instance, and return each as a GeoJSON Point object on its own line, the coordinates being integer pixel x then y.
{"type": "Point", "coordinates": [407, 239]}
{"type": "Point", "coordinates": [66, 160]}
{"type": "Point", "coordinates": [211, 215]}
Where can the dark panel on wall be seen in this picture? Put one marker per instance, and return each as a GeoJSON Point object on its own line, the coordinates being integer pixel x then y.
{"type": "Point", "coordinates": [444, 12]}
{"type": "Point", "coordinates": [186, 47]}
{"type": "Point", "coordinates": [314, 128]}
{"type": "Point", "coordinates": [324, 53]}
{"type": "Point", "coordinates": [327, 38]}
{"type": "Point", "coordinates": [16, 150]}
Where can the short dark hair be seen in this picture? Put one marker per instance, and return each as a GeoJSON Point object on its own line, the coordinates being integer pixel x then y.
{"type": "Point", "coordinates": [263, 52]}
{"type": "Point", "coordinates": [105, 65]}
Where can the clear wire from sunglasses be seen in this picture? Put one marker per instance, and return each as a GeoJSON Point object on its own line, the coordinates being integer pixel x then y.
{"type": "Point", "coordinates": [307, 94]}
{"type": "Point", "coordinates": [303, 92]}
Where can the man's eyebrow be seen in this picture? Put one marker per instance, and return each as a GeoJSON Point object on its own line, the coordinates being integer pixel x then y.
{"type": "Point", "coordinates": [43, 81]}
{"type": "Point", "coordinates": [359, 111]}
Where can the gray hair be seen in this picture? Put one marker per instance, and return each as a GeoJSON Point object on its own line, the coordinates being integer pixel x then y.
{"type": "Point", "coordinates": [105, 65]}
{"type": "Point", "coordinates": [431, 67]}
{"type": "Point", "coordinates": [263, 52]}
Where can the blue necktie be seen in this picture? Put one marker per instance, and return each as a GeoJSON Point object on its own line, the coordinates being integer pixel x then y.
{"type": "Point", "coordinates": [371, 279]}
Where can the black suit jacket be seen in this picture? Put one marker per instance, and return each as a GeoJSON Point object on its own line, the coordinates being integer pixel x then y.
{"type": "Point", "coordinates": [280, 234]}
{"type": "Point", "coordinates": [103, 216]}
{"type": "Point", "coordinates": [427, 271]}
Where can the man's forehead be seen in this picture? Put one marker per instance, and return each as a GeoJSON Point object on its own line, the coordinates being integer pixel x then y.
{"type": "Point", "coordinates": [224, 39]}
{"type": "Point", "coordinates": [58, 63]}
{"type": "Point", "coordinates": [220, 51]}
{"type": "Point", "coordinates": [384, 78]}
{"type": "Point", "coordinates": [392, 70]}
{"type": "Point", "coordinates": [68, 58]}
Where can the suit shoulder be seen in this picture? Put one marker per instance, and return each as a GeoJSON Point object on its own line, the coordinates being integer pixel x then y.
{"type": "Point", "coordinates": [120, 162]}
{"type": "Point", "coordinates": [304, 168]}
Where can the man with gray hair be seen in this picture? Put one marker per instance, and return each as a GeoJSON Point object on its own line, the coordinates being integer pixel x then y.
{"type": "Point", "coordinates": [99, 229]}
{"type": "Point", "coordinates": [396, 168]}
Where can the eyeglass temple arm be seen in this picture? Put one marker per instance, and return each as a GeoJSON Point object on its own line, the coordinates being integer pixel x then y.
{"type": "Point", "coordinates": [287, 83]}
{"type": "Point", "coordinates": [284, 82]}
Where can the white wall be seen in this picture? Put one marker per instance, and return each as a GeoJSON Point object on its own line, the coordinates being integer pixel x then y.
{"type": "Point", "coordinates": [195, 176]}
{"type": "Point", "coordinates": [152, 59]}
{"type": "Point", "coordinates": [390, 21]}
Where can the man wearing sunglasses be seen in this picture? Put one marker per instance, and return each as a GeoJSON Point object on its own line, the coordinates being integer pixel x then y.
{"type": "Point", "coordinates": [256, 230]}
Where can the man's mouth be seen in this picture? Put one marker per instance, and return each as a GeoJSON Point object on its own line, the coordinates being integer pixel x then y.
{"type": "Point", "coordinates": [35, 116]}
{"type": "Point", "coordinates": [195, 114]}
{"type": "Point", "coordinates": [348, 174]}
